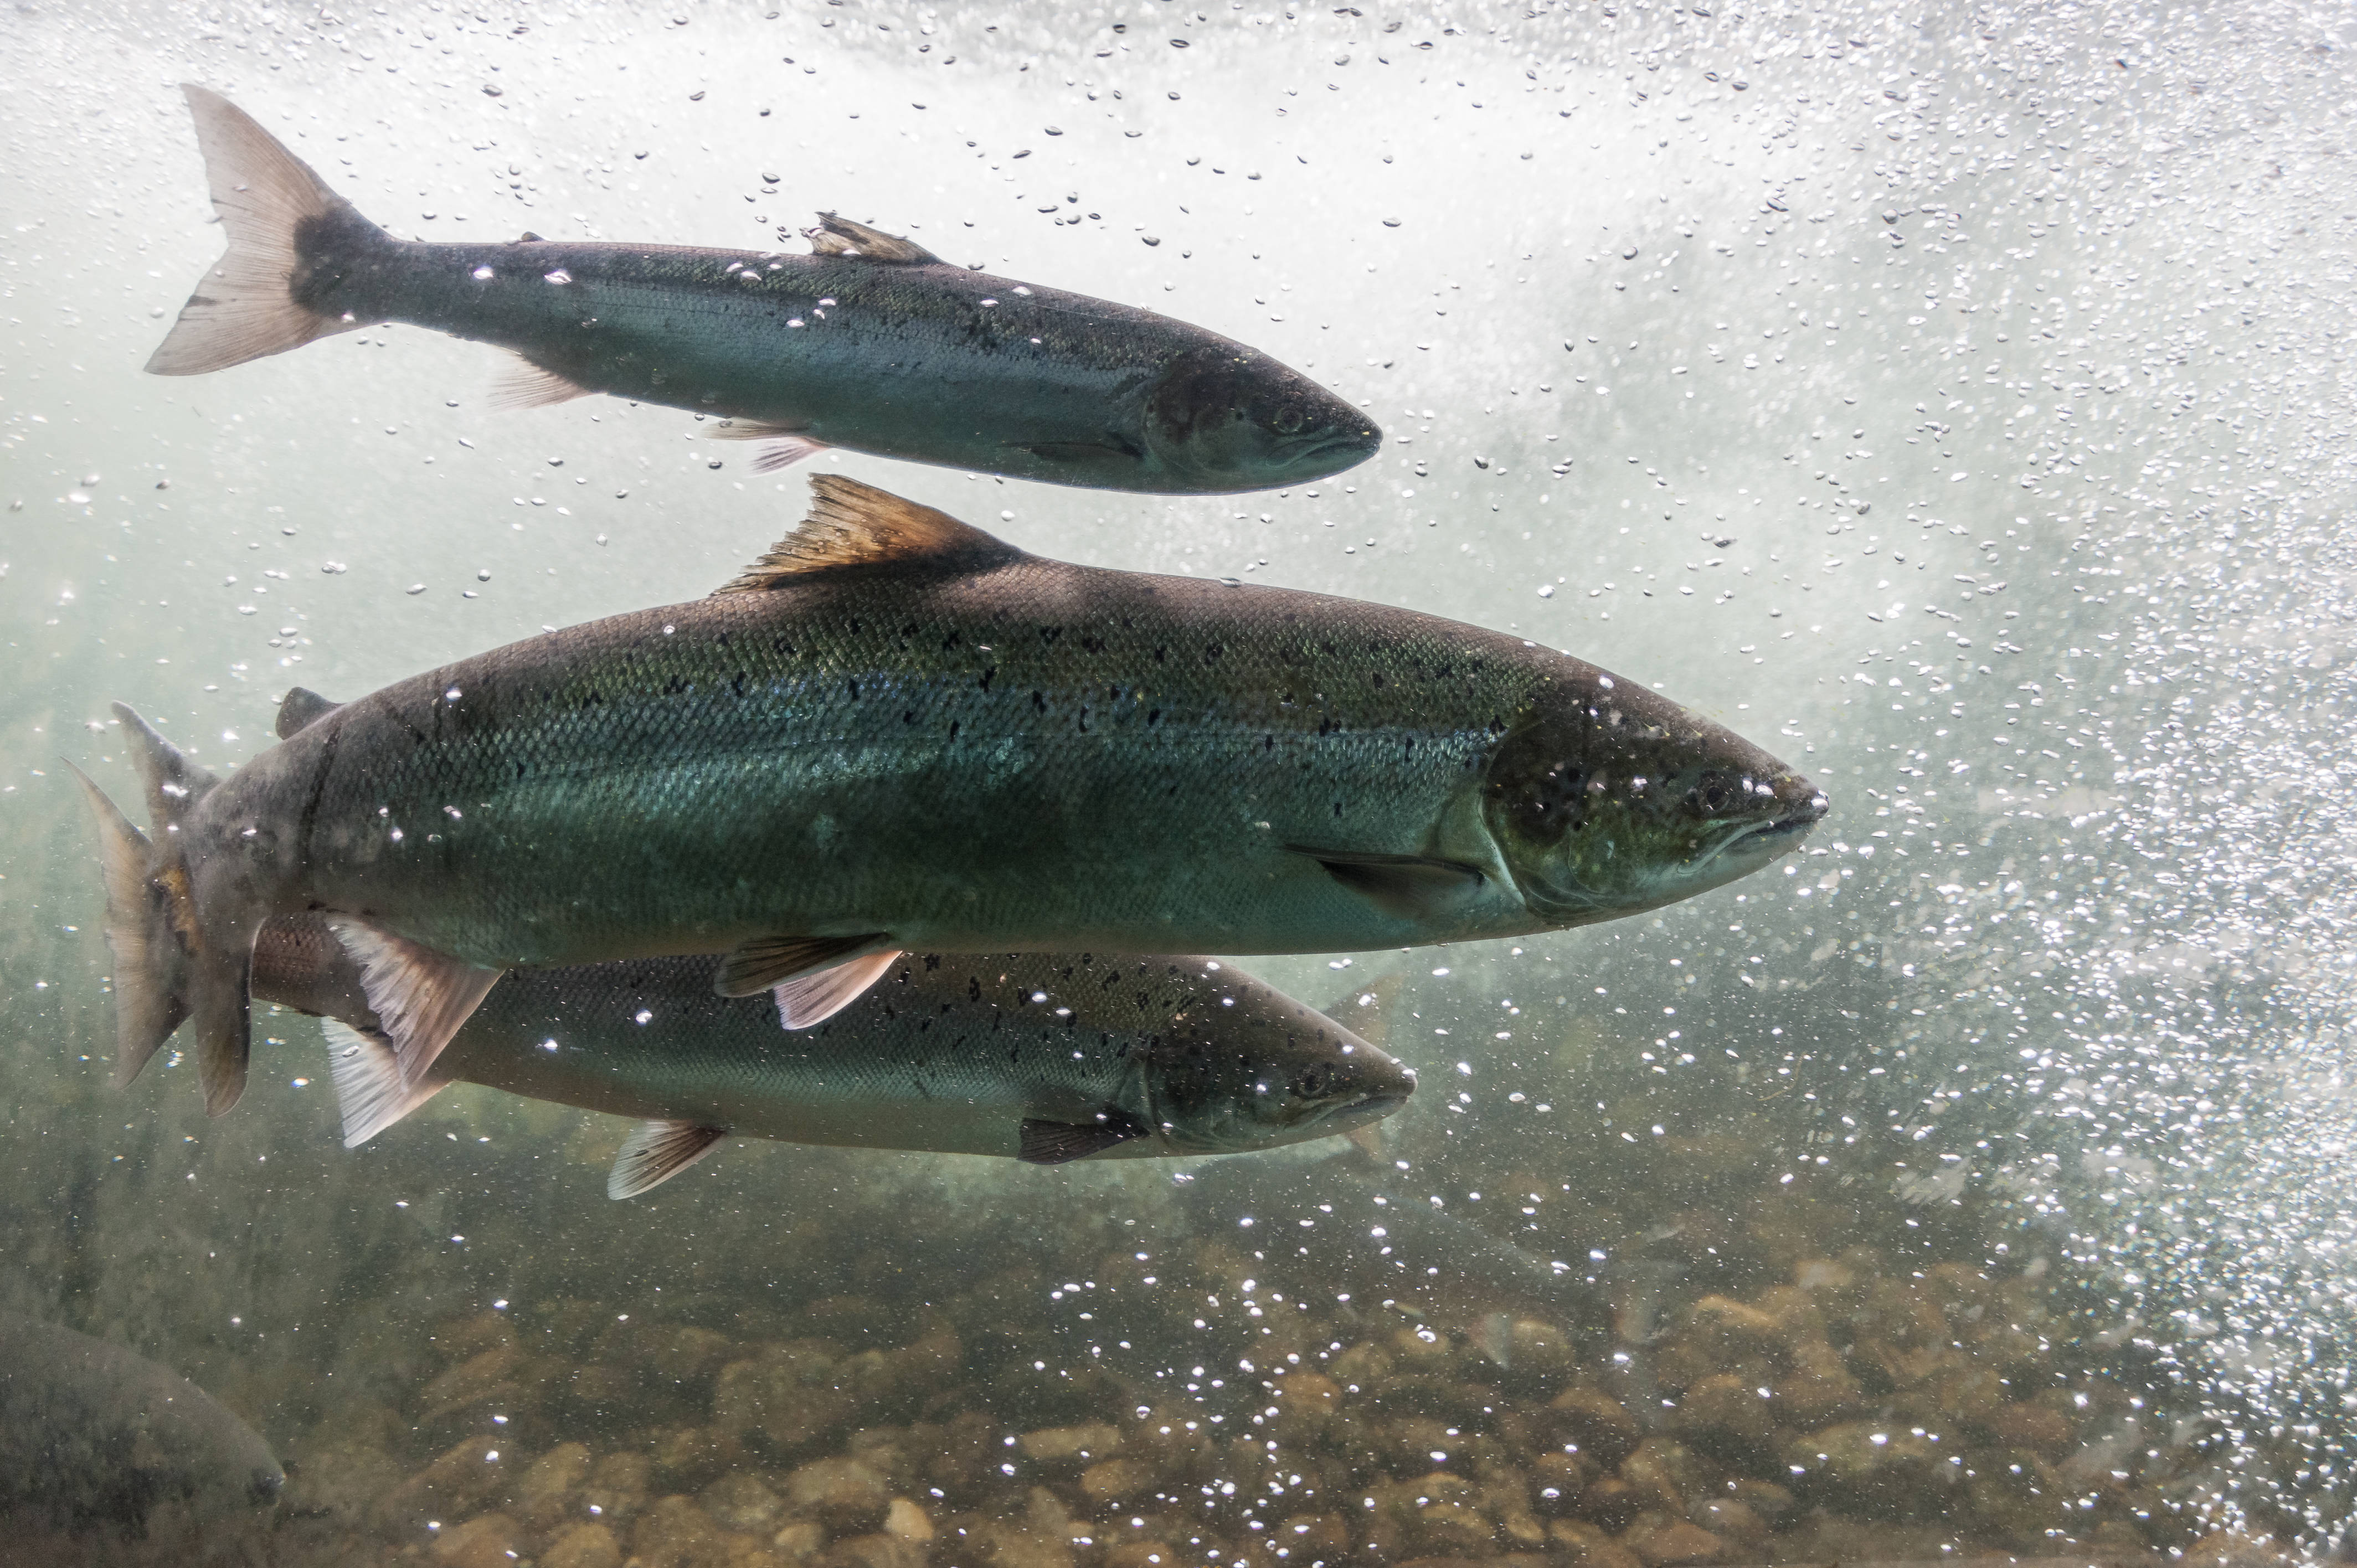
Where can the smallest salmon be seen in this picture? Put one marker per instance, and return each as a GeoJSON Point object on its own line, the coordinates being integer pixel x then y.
{"type": "Point", "coordinates": [871, 342]}
{"type": "Point", "coordinates": [1042, 1058]}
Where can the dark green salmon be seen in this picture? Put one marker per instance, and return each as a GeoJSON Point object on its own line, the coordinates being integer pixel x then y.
{"type": "Point", "coordinates": [899, 733]}
{"type": "Point", "coordinates": [873, 343]}
{"type": "Point", "coordinates": [108, 1459]}
{"type": "Point", "coordinates": [1042, 1058]}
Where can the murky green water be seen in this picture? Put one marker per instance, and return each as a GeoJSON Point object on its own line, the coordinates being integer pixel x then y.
{"type": "Point", "coordinates": [1950, 400]}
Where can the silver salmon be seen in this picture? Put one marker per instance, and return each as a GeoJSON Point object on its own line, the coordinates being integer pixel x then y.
{"type": "Point", "coordinates": [871, 343]}
{"type": "Point", "coordinates": [897, 732]}
{"type": "Point", "coordinates": [107, 1457]}
{"type": "Point", "coordinates": [1042, 1057]}
{"type": "Point", "coordinates": [1336, 1222]}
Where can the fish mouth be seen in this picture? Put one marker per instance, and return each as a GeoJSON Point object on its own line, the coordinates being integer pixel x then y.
{"type": "Point", "coordinates": [1765, 841]}
{"type": "Point", "coordinates": [1357, 1113]}
{"type": "Point", "coordinates": [1357, 445]}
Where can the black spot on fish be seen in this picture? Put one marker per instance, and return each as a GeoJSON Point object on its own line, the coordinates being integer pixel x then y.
{"type": "Point", "coordinates": [1094, 644]}
{"type": "Point", "coordinates": [1039, 701]}
{"type": "Point", "coordinates": [950, 642]}
{"type": "Point", "coordinates": [987, 675]}
{"type": "Point", "coordinates": [1049, 634]}
{"type": "Point", "coordinates": [1268, 743]}
{"type": "Point", "coordinates": [737, 683]}
{"type": "Point", "coordinates": [932, 961]}
{"type": "Point", "coordinates": [1153, 717]}
{"type": "Point", "coordinates": [1159, 654]}
{"type": "Point", "coordinates": [973, 990]}
{"type": "Point", "coordinates": [1377, 680]}
{"type": "Point", "coordinates": [1211, 653]}
{"type": "Point", "coordinates": [955, 727]}
{"type": "Point", "coordinates": [853, 688]}
{"type": "Point", "coordinates": [907, 716]}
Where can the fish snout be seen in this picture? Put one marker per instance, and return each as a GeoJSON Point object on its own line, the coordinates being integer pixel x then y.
{"type": "Point", "coordinates": [1801, 804]}
{"type": "Point", "coordinates": [1229, 418]}
{"type": "Point", "coordinates": [1797, 806]}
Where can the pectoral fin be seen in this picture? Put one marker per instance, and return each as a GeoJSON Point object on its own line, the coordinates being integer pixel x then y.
{"type": "Point", "coordinates": [1411, 886]}
{"type": "Point", "coordinates": [367, 1076]}
{"type": "Point", "coordinates": [657, 1151]}
{"type": "Point", "coordinates": [1059, 1143]}
{"type": "Point", "coordinates": [419, 995]}
{"type": "Point", "coordinates": [815, 998]}
{"type": "Point", "coordinates": [761, 963]}
{"type": "Point", "coordinates": [1086, 454]}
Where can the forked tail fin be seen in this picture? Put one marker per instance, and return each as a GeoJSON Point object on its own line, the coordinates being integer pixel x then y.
{"type": "Point", "coordinates": [171, 965]}
{"type": "Point", "coordinates": [269, 202]}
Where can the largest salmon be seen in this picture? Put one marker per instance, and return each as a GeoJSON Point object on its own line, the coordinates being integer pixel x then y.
{"type": "Point", "coordinates": [874, 343]}
{"type": "Point", "coordinates": [896, 731]}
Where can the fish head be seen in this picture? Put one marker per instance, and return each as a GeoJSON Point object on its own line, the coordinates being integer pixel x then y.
{"type": "Point", "coordinates": [1250, 1082]}
{"type": "Point", "coordinates": [1608, 799]}
{"type": "Point", "coordinates": [1223, 417]}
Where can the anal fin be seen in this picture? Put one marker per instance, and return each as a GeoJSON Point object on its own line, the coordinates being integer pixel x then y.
{"type": "Point", "coordinates": [1410, 887]}
{"type": "Point", "coordinates": [1059, 1142]}
{"type": "Point", "coordinates": [221, 1015]}
{"type": "Point", "coordinates": [520, 383]}
{"type": "Point", "coordinates": [757, 963]}
{"type": "Point", "coordinates": [369, 1087]}
{"type": "Point", "coordinates": [420, 996]}
{"type": "Point", "coordinates": [657, 1151]}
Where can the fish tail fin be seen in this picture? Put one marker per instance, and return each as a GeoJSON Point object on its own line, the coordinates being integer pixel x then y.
{"type": "Point", "coordinates": [275, 211]}
{"type": "Point", "coordinates": [171, 965]}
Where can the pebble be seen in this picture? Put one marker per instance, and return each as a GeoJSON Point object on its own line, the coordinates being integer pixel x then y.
{"type": "Point", "coordinates": [848, 1434]}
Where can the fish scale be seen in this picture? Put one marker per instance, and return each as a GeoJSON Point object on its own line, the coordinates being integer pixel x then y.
{"type": "Point", "coordinates": [871, 342]}
{"type": "Point", "coordinates": [1155, 1056]}
{"type": "Point", "coordinates": [694, 713]}
{"type": "Point", "coordinates": [896, 732]}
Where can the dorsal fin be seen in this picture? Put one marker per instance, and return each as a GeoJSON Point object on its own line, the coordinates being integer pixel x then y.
{"type": "Point", "coordinates": [852, 524]}
{"type": "Point", "coordinates": [173, 783]}
{"type": "Point", "coordinates": [839, 236]}
{"type": "Point", "coordinates": [302, 708]}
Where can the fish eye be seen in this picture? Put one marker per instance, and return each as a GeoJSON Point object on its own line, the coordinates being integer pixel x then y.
{"type": "Point", "coordinates": [1311, 1082]}
{"type": "Point", "coordinates": [1290, 420]}
{"type": "Point", "coordinates": [1711, 794]}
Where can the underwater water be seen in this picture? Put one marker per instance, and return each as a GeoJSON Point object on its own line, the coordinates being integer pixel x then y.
{"type": "Point", "coordinates": [1952, 400]}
